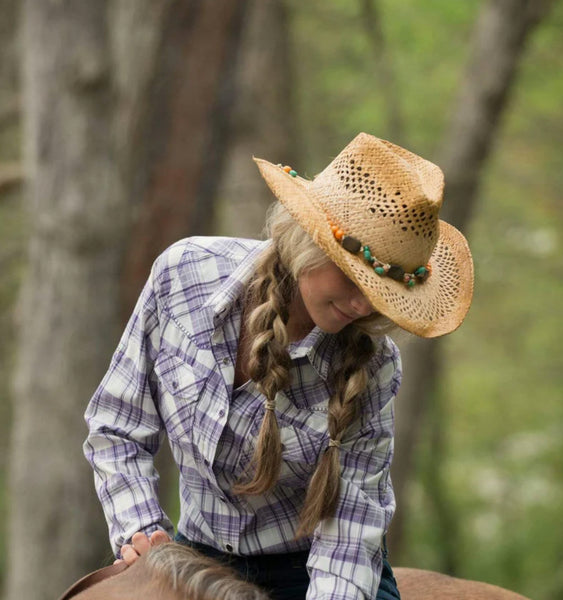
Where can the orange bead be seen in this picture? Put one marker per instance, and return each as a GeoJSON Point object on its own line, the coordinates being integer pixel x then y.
{"type": "Point", "coordinates": [334, 228]}
{"type": "Point", "coordinates": [339, 234]}
{"type": "Point", "coordinates": [287, 169]}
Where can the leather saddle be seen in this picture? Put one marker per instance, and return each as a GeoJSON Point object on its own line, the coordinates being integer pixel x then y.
{"type": "Point", "coordinates": [93, 578]}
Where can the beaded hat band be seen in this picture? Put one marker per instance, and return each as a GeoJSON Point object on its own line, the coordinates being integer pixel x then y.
{"type": "Point", "coordinates": [396, 272]}
{"type": "Point", "coordinates": [354, 246]}
{"type": "Point", "coordinates": [374, 212]}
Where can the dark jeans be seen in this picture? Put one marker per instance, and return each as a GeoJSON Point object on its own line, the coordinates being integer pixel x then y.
{"type": "Point", "coordinates": [284, 576]}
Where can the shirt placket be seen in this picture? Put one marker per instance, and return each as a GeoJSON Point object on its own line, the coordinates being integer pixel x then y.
{"type": "Point", "coordinates": [226, 515]}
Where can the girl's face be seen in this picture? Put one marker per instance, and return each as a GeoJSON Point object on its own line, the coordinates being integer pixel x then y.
{"type": "Point", "coordinates": [330, 299]}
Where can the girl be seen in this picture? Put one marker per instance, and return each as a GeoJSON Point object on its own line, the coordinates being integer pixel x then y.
{"type": "Point", "coordinates": [268, 367]}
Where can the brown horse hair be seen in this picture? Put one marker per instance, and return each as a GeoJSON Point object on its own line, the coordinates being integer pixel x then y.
{"type": "Point", "coordinates": [174, 572]}
{"type": "Point", "coordinates": [291, 253]}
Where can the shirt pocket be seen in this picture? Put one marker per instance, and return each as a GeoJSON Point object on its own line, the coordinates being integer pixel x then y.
{"type": "Point", "coordinates": [180, 389]}
{"type": "Point", "coordinates": [300, 456]}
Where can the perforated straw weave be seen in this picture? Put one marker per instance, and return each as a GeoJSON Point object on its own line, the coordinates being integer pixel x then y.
{"type": "Point", "coordinates": [389, 199]}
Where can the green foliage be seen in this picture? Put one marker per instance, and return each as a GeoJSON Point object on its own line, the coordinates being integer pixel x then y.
{"type": "Point", "coordinates": [338, 86]}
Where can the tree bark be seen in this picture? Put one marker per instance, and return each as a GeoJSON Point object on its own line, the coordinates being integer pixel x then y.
{"type": "Point", "coordinates": [11, 176]}
{"type": "Point", "coordinates": [8, 59]}
{"type": "Point", "coordinates": [90, 136]}
{"type": "Point", "coordinates": [501, 32]}
{"type": "Point", "coordinates": [262, 122]}
{"type": "Point", "coordinates": [175, 176]}
{"type": "Point", "coordinates": [66, 321]}
{"type": "Point", "coordinates": [10, 169]}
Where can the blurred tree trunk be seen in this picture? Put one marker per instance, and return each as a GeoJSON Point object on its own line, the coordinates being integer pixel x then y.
{"type": "Point", "coordinates": [262, 122]}
{"type": "Point", "coordinates": [10, 234]}
{"type": "Point", "coordinates": [370, 15]}
{"type": "Point", "coordinates": [66, 319]}
{"type": "Point", "coordinates": [87, 68]}
{"type": "Point", "coordinates": [175, 176]}
{"type": "Point", "coordinates": [8, 60]}
{"type": "Point", "coordinates": [499, 40]}
{"type": "Point", "coordinates": [10, 169]}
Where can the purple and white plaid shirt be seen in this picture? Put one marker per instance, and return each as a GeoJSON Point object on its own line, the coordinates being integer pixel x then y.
{"type": "Point", "coordinates": [173, 372]}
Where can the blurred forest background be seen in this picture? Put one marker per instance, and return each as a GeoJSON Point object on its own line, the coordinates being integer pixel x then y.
{"type": "Point", "coordinates": [127, 125]}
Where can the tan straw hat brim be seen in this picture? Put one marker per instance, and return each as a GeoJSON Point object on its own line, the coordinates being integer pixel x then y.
{"type": "Point", "coordinates": [429, 309]}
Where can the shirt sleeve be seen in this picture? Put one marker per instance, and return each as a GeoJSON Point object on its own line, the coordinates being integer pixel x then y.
{"type": "Point", "coordinates": [125, 430]}
{"type": "Point", "coordinates": [345, 561]}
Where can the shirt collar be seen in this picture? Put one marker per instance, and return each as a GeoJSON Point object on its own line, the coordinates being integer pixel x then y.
{"type": "Point", "coordinates": [318, 347]}
{"type": "Point", "coordinates": [231, 290]}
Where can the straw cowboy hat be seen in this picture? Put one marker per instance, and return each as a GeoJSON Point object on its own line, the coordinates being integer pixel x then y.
{"type": "Point", "coordinates": [374, 212]}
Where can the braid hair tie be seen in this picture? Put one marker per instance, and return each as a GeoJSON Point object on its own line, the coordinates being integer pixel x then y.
{"type": "Point", "coordinates": [335, 443]}
{"type": "Point", "coordinates": [270, 405]}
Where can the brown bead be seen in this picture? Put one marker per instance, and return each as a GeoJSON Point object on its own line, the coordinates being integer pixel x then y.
{"type": "Point", "coordinates": [396, 272]}
{"type": "Point", "coordinates": [351, 244]}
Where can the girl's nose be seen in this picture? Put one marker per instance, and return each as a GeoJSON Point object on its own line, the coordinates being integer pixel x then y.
{"type": "Point", "coordinates": [360, 304]}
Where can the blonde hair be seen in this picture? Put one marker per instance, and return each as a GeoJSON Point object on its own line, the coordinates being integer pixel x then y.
{"type": "Point", "coordinates": [291, 253]}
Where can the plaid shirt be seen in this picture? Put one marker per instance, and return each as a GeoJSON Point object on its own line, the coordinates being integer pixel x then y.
{"type": "Point", "coordinates": [173, 372]}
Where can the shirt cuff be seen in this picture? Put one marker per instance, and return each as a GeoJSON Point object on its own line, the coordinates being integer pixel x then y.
{"type": "Point", "coordinates": [325, 586]}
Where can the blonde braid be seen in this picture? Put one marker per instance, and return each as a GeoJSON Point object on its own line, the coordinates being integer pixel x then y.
{"type": "Point", "coordinates": [350, 380]}
{"type": "Point", "coordinates": [269, 362]}
{"type": "Point", "coordinates": [292, 253]}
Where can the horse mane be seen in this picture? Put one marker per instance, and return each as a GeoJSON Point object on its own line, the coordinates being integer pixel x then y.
{"type": "Point", "coordinates": [167, 572]}
{"type": "Point", "coordinates": [192, 576]}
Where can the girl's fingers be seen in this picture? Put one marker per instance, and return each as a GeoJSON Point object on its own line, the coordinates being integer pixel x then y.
{"type": "Point", "coordinates": [159, 537]}
{"type": "Point", "coordinates": [140, 543]}
{"type": "Point", "coordinates": [128, 554]}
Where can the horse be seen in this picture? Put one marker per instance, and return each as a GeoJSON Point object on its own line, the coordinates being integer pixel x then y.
{"type": "Point", "coordinates": [417, 584]}
{"type": "Point", "coordinates": [168, 571]}
{"type": "Point", "coordinates": [171, 571]}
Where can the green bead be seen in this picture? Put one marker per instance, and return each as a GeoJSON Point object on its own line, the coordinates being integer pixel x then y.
{"type": "Point", "coordinates": [380, 270]}
{"type": "Point", "coordinates": [420, 271]}
{"type": "Point", "coordinates": [411, 282]}
{"type": "Point", "coordinates": [367, 253]}
{"type": "Point", "coordinates": [293, 173]}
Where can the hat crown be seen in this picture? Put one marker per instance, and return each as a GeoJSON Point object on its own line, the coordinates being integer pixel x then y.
{"type": "Point", "coordinates": [384, 196]}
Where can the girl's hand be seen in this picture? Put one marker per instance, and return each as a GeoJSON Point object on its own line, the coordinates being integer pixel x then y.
{"type": "Point", "coordinates": [140, 545]}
